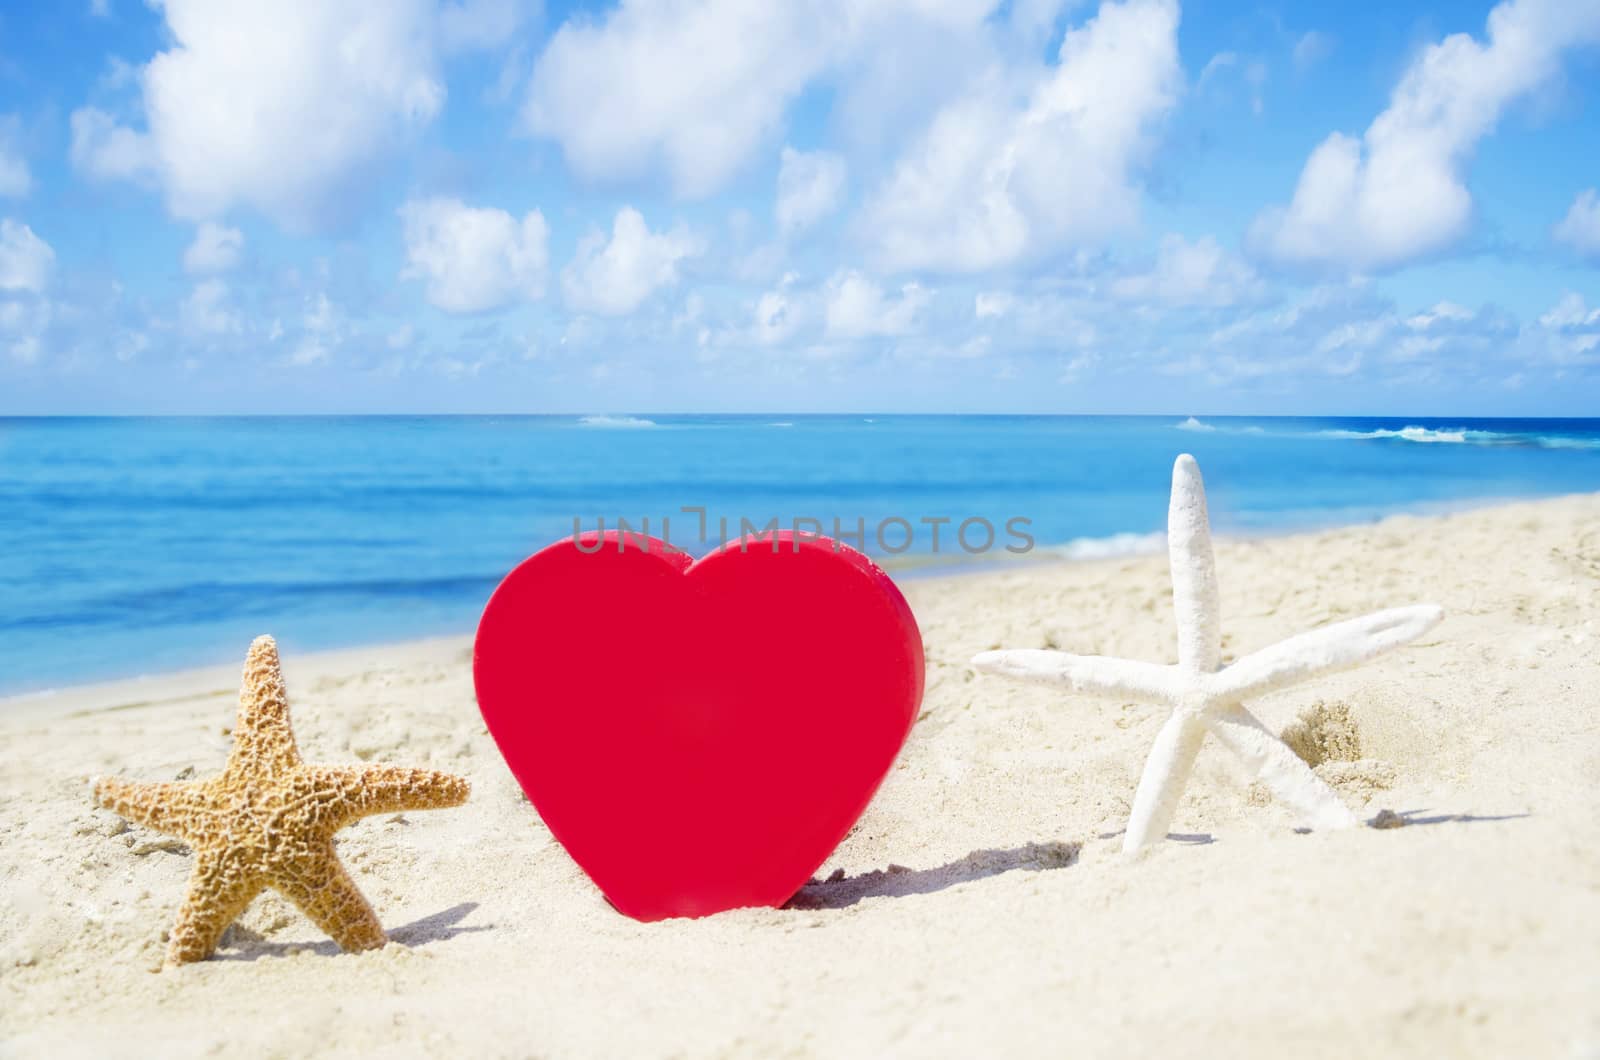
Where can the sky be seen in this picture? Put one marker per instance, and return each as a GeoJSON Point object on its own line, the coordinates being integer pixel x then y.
{"type": "Point", "coordinates": [1031, 206]}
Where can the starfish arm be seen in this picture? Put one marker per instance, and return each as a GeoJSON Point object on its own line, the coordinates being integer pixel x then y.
{"type": "Point", "coordinates": [1091, 675]}
{"type": "Point", "coordinates": [1166, 773]}
{"type": "Point", "coordinates": [263, 742]}
{"type": "Point", "coordinates": [219, 890]}
{"type": "Point", "coordinates": [361, 791]}
{"type": "Point", "coordinates": [1334, 647]}
{"type": "Point", "coordinates": [321, 888]}
{"type": "Point", "coordinates": [1195, 600]}
{"type": "Point", "coordinates": [175, 809]}
{"type": "Point", "coordinates": [1270, 761]}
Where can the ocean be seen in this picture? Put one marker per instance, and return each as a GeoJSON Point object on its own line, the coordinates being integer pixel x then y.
{"type": "Point", "coordinates": [136, 546]}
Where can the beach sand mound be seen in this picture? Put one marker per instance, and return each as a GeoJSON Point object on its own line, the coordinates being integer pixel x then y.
{"type": "Point", "coordinates": [1324, 733]}
{"type": "Point", "coordinates": [981, 906]}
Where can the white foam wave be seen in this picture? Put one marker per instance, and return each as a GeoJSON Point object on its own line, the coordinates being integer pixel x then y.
{"type": "Point", "coordinates": [616, 421]}
{"type": "Point", "coordinates": [1126, 544]}
{"type": "Point", "coordinates": [1457, 436]}
{"type": "Point", "coordinates": [1194, 423]}
{"type": "Point", "coordinates": [780, 425]}
{"type": "Point", "coordinates": [1412, 433]}
{"type": "Point", "coordinates": [1561, 442]}
{"type": "Point", "coordinates": [1464, 436]}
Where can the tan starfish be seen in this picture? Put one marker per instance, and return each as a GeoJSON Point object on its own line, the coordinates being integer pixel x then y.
{"type": "Point", "coordinates": [268, 821]}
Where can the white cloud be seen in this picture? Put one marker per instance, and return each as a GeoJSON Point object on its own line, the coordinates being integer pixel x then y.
{"type": "Point", "coordinates": [475, 258]}
{"type": "Point", "coordinates": [208, 310]}
{"type": "Point", "coordinates": [216, 248]}
{"type": "Point", "coordinates": [810, 186]}
{"type": "Point", "coordinates": [1398, 193]}
{"type": "Point", "coordinates": [15, 179]}
{"type": "Point", "coordinates": [697, 87]}
{"type": "Point", "coordinates": [778, 315]}
{"type": "Point", "coordinates": [1329, 330]}
{"type": "Point", "coordinates": [614, 277]}
{"type": "Point", "coordinates": [856, 307]}
{"type": "Point", "coordinates": [119, 74]}
{"type": "Point", "coordinates": [1033, 20]}
{"type": "Point", "coordinates": [1214, 65]}
{"type": "Point", "coordinates": [104, 150]}
{"type": "Point", "coordinates": [23, 321]}
{"type": "Point", "coordinates": [1569, 333]}
{"type": "Point", "coordinates": [992, 304]}
{"type": "Point", "coordinates": [274, 107]}
{"type": "Point", "coordinates": [1572, 311]}
{"type": "Point", "coordinates": [909, 58]}
{"type": "Point", "coordinates": [992, 181]}
{"type": "Point", "coordinates": [26, 261]}
{"type": "Point", "coordinates": [693, 87]}
{"type": "Point", "coordinates": [823, 320]}
{"type": "Point", "coordinates": [1052, 321]}
{"type": "Point", "coordinates": [402, 337]}
{"type": "Point", "coordinates": [1255, 76]}
{"type": "Point", "coordinates": [1453, 333]}
{"type": "Point", "coordinates": [1253, 73]}
{"type": "Point", "coordinates": [1311, 49]}
{"type": "Point", "coordinates": [1200, 273]}
{"type": "Point", "coordinates": [129, 344]}
{"type": "Point", "coordinates": [1342, 329]}
{"type": "Point", "coordinates": [100, 8]}
{"type": "Point", "coordinates": [1580, 229]}
{"type": "Point", "coordinates": [1443, 312]}
{"type": "Point", "coordinates": [694, 308]}
{"type": "Point", "coordinates": [322, 329]}
{"type": "Point", "coordinates": [471, 25]}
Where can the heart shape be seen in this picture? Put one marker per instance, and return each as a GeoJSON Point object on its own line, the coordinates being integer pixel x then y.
{"type": "Point", "coordinates": [699, 735]}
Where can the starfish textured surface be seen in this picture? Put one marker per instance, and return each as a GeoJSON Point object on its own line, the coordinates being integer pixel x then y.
{"type": "Point", "coordinates": [1206, 698]}
{"type": "Point", "coordinates": [268, 821]}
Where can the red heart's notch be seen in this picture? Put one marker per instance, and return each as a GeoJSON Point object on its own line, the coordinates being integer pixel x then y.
{"type": "Point", "coordinates": [698, 734]}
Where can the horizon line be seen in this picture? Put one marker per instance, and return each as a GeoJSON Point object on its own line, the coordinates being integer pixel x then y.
{"type": "Point", "coordinates": [1201, 416]}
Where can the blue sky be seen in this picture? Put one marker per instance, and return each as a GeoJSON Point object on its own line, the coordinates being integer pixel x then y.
{"type": "Point", "coordinates": [211, 206]}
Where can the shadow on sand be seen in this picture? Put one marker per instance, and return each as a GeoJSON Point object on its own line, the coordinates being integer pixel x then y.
{"type": "Point", "coordinates": [840, 891]}
{"type": "Point", "coordinates": [1194, 839]}
{"type": "Point", "coordinates": [1384, 819]}
{"type": "Point", "coordinates": [1411, 817]}
{"type": "Point", "coordinates": [245, 945]}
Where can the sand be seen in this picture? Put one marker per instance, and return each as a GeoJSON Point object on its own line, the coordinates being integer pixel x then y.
{"type": "Point", "coordinates": [981, 907]}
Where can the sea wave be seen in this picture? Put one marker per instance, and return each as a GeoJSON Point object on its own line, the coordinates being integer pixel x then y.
{"type": "Point", "coordinates": [1194, 423]}
{"type": "Point", "coordinates": [1455, 436]}
{"type": "Point", "coordinates": [1448, 435]}
{"type": "Point", "coordinates": [1565, 442]}
{"type": "Point", "coordinates": [1466, 436]}
{"type": "Point", "coordinates": [1413, 433]}
{"type": "Point", "coordinates": [1126, 544]}
{"type": "Point", "coordinates": [615, 421]}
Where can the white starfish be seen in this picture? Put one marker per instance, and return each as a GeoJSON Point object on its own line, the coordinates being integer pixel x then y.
{"type": "Point", "coordinates": [1206, 699]}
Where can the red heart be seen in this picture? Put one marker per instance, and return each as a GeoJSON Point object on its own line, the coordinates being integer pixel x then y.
{"type": "Point", "coordinates": [698, 735]}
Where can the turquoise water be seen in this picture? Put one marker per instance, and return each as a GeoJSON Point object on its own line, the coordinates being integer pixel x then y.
{"type": "Point", "coordinates": [132, 546]}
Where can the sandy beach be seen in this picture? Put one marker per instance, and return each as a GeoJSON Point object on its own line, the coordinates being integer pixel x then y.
{"type": "Point", "coordinates": [981, 907]}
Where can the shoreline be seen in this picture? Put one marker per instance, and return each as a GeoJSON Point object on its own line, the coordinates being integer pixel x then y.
{"type": "Point", "coordinates": [196, 681]}
{"type": "Point", "coordinates": [200, 682]}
